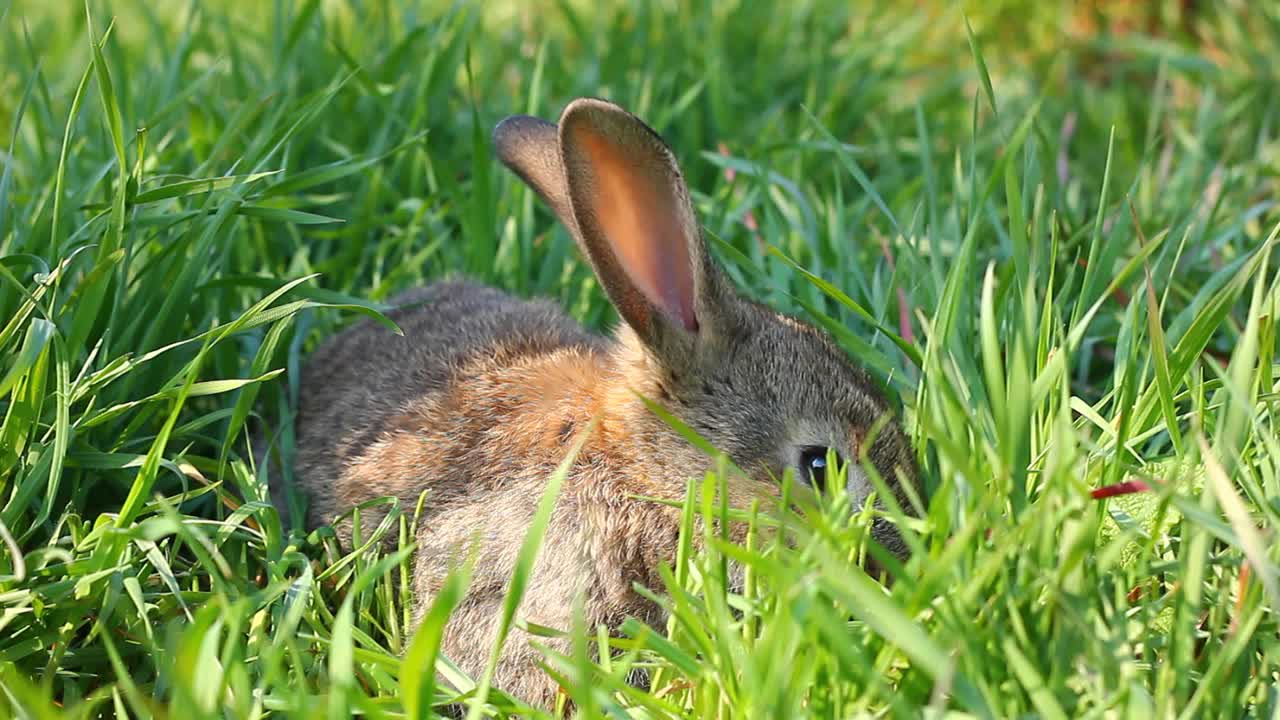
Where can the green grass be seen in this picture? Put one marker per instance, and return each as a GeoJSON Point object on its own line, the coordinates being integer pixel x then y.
{"type": "Point", "coordinates": [1055, 245]}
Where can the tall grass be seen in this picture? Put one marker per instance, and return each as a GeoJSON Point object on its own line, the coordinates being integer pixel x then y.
{"type": "Point", "coordinates": [1049, 231]}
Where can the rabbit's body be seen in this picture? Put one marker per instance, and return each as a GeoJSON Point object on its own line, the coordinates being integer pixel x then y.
{"type": "Point", "coordinates": [482, 380]}
{"type": "Point", "coordinates": [485, 394]}
{"type": "Point", "coordinates": [368, 386]}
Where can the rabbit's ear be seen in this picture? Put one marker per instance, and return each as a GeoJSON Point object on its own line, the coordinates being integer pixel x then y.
{"type": "Point", "coordinates": [635, 222]}
{"type": "Point", "coordinates": [531, 149]}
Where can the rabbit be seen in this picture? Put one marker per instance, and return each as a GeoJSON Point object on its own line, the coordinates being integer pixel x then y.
{"type": "Point", "coordinates": [485, 393]}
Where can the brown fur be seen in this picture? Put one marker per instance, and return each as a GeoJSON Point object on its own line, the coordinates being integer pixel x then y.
{"type": "Point", "coordinates": [481, 398]}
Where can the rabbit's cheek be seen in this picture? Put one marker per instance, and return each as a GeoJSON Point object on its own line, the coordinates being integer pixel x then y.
{"type": "Point", "coordinates": [857, 485]}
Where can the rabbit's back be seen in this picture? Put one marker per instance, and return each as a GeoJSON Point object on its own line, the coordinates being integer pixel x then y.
{"type": "Point", "coordinates": [359, 384]}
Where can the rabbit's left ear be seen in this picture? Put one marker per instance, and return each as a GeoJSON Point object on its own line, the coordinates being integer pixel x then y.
{"type": "Point", "coordinates": [635, 222]}
{"type": "Point", "coordinates": [531, 149]}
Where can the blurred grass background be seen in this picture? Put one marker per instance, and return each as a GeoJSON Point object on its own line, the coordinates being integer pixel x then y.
{"type": "Point", "coordinates": [1044, 226]}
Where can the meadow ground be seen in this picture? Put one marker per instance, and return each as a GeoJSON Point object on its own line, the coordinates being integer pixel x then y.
{"type": "Point", "coordinates": [1048, 230]}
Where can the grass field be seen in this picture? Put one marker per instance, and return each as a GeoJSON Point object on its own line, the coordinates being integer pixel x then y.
{"type": "Point", "coordinates": [1049, 232]}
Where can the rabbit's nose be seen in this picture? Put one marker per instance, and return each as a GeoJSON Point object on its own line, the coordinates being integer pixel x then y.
{"type": "Point", "coordinates": [886, 534]}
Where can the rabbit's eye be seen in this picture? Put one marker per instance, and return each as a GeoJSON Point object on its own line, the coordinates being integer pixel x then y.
{"type": "Point", "coordinates": [813, 466]}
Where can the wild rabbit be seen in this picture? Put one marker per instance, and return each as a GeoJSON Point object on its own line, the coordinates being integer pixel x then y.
{"type": "Point", "coordinates": [481, 398]}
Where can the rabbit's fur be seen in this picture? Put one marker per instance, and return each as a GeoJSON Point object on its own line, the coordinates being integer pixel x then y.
{"type": "Point", "coordinates": [484, 394]}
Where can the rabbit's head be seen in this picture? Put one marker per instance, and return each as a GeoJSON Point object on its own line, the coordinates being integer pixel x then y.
{"type": "Point", "coordinates": [770, 391]}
